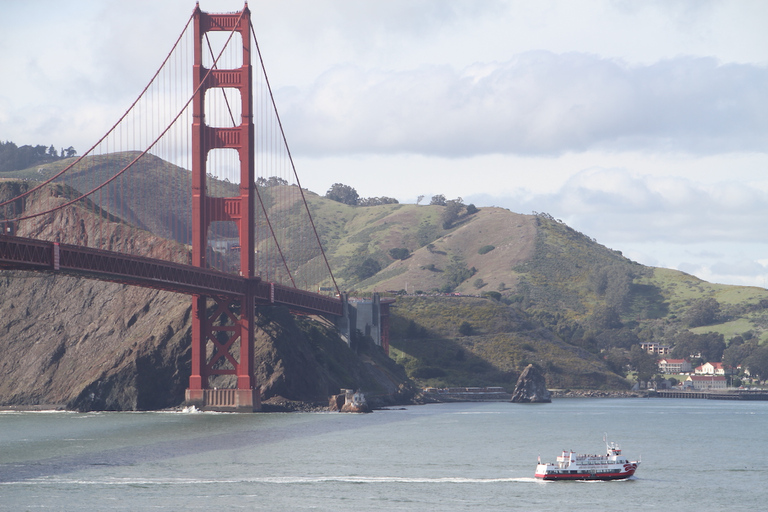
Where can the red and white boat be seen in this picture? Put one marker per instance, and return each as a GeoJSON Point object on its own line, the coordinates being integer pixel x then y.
{"type": "Point", "coordinates": [572, 466]}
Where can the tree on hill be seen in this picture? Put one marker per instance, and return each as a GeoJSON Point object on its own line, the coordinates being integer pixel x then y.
{"type": "Point", "coordinates": [623, 338]}
{"type": "Point", "coordinates": [738, 353]}
{"type": "Point", "coordinates": [452, 212]}
{"type": "Point", "coordinates": [757, 363]}
{"type": "Point", "coordinates": [14, 158]}
{"type": "Point", "coordinates": [272, 181]}
{"type": "Point", "coordinates": [702, 312]}
{"type": "Point", "coordinates": [643, 362]}
{"type": "Point", "coordinates": [368, 268]}
{"type": "Point", "coordinates": [617, 360]}
{"type": "Point", "coordinates": [376, 201]}
{"type": "Point", "coordinates": [456, 273]}
{"type": "Point", "coordinates": [438, 200]}
{"type": "Point", "coordinates": [343, 194]}
{"type": "Point", "coordinates": [710, 345]}
{"type": "Point", "coordinates": [605, 317]}
{"type": "Point", "coordinates": [614, 283]}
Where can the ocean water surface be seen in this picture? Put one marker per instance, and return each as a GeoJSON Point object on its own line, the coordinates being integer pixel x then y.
{"type": "Point", "coordinates": [696, 455]}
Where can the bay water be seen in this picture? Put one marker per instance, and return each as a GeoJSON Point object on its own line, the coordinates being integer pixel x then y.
{"type": "Point", "coordinates": [696, 455]}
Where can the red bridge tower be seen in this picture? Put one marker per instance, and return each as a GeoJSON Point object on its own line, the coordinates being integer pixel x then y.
{"type": "Point", "coordinates": [222, 324]}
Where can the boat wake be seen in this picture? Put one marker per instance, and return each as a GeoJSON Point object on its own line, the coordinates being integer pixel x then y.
{"type": "Point", "coordinates": [275, 480]}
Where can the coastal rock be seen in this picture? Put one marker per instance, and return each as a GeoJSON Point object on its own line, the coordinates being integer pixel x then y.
{"type": "Point", "coordinates": [531, 387]}
{"type": "Point", "coordinates": [352, 401]}
{"type": "Point", "coordinates": [336, 402]}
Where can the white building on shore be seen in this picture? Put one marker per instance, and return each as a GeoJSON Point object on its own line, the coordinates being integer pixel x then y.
{"type": "Point", "coordinates": [705, 382]}
{"type": "Point", "coordinates": [674, 366]}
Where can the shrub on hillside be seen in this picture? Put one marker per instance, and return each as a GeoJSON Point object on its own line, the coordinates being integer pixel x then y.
{"type": "Point", "coordinates": [368, 268]}
{"type": "Point", "coordinates": [492, 295]}
{"type": "Point", "coordinates": [399, 253]}
{"type": "Point", "coordinates": [465, 329]}
{"type": "Point", "coordinates": [485, 249]}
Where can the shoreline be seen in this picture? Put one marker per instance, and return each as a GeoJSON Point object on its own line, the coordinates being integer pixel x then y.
{"type": "Point", "coordinates": [283, 405]}
{"type": "Point", "coordinates": [33, 408]}
{"type": "Point", "coordinates": [596, 393]}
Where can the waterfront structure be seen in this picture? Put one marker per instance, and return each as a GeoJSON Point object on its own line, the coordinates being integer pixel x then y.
{"type": "Point", "coordinates": [370, 317]}
{"type": "Point", "coordinates": [705, 382]}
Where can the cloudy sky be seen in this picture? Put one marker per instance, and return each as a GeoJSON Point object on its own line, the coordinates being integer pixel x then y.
{"type": "Point", "coordinates": [643, 124]}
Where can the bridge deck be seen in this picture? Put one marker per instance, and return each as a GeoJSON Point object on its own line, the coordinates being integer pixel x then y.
{"type": "Point", "coordinates": [17, 253]}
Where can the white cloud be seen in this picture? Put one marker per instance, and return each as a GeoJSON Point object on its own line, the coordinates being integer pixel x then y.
{"type": "Point", "coordinates": [642, 124]}
{"type": "Point", "coordinates": [537, 103]}
{"type": "Point", "coordinates": [623, 206]}
{"type": "Point", "coordinates": [740, 268]}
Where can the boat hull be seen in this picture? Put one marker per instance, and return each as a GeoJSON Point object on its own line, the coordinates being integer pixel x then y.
{"type": "Point", "coordinates": [586, 476]}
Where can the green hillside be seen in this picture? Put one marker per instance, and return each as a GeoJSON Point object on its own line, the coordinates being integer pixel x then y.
{"type": "Point", "coordinates": [529, 288]}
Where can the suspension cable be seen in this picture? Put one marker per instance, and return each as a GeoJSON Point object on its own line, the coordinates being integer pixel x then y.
{"type": "Point", "coordinates": [80, 158]}
{"type": "Point", "coordinates": [142, 154]}
{"type": "Point", "coordinates": [290, 159]}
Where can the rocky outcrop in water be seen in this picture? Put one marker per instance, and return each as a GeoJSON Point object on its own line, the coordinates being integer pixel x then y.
{"type": "Point", "coordinates": [531, 387]}
{"type": "Point", "coordinates": [349, 400]}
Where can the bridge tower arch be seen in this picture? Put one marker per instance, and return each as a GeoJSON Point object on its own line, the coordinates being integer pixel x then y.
{"type": "Point", "coordinates": [221, 324]}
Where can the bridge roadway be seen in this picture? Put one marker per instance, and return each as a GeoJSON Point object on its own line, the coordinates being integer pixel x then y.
{"type": "Point", "coordinates": [18, 253]}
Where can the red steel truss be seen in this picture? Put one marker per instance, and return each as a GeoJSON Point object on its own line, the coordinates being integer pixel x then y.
{"type": "Point", "coordinates": [38, 255]}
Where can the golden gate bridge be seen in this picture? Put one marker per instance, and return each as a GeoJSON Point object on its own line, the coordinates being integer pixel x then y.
{"type": "Point", "coordinates": [193, 190]}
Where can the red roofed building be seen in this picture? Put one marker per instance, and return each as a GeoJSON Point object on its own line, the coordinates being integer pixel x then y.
{"type": "Point", "coordinates": [713, 369]}
{"type": "Point", "coordinates": [674, 366]}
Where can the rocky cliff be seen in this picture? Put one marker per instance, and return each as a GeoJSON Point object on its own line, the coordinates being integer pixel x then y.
{"type": "Point", "coordinates": [89, 345]}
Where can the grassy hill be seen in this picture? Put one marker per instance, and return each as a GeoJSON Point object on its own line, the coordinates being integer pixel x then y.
{"type": "Point", "coordinates": [529, 287]}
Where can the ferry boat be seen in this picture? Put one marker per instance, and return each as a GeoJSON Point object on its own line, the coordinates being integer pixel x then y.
{"type": "Point", "coordinates": [571, 466]}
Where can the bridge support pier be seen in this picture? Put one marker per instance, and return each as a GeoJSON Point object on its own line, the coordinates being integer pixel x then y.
{"type": "Point", "coordinates": [224, 400]}
{"type": "Point", "coordinates": [222, 344]}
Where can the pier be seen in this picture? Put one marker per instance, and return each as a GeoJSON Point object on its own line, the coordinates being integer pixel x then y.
{"type": "Point", "coordinates": [741, 394]}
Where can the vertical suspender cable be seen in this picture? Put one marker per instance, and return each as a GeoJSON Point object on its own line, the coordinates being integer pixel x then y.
{"type": "Point", "coordinates": [301, 190]}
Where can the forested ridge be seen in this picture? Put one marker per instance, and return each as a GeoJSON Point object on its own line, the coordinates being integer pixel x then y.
{"type": "Point", "coordinates": [14, 158]}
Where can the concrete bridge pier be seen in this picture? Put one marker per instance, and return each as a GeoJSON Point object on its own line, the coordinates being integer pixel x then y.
{"type": "Point", "coordinates": [224, 400]}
